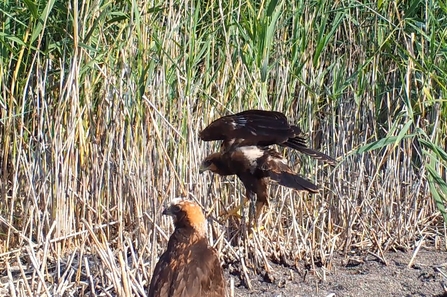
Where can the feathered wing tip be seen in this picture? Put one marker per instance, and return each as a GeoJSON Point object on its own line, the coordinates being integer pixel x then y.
{"type": "Point", "coordinates": [281, 173]}
{"type": "Point", "coordinates": [299, 144]}
{"type": "Point", "coordinates": [319, 156]}
{"type": "Point", "coordinates": [293, 181]}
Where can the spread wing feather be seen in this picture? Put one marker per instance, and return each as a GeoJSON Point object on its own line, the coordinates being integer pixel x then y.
{"type": "Point", "coordinates": [254, 127]}
{"type": "Point", "coordinates": [293, 181]}
{"type": "Point", "coordinates": [281, 173]}
{"type": "Point", "coordinates": [299, 144]}
{"type": "Point", "coordinates": [262, 128]}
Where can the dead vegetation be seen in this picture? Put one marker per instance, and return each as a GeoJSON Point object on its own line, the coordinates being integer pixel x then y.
{"type": "Point", "coordinates": [101, 108]}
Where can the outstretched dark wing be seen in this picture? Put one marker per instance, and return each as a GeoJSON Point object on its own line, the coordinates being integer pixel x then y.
{"type": "Point", "coordinates": [250, 127]}
{"type": "Point", "coordinates": [278, 170]}
{"type": "Point", "coordinates": [299, 143]}
{"type": "Point", "coordinates": [261, 128]}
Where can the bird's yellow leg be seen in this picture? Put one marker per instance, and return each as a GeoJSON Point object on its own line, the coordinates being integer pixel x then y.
{"type": "Point", "coordinates": [234, 212]}
{"type": "Point", "coordinates": [256, 218]}
{"type": "Point", "coordinates": [255, 212]}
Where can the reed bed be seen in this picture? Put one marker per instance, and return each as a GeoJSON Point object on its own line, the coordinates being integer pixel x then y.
{"type": "Point", "coordinates": [101, 104]}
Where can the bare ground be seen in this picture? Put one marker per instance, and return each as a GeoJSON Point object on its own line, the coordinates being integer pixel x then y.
{"type": "Point", "coordinates": [356, 276]}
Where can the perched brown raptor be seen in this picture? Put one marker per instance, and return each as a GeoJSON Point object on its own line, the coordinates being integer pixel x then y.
{"type": "Point", "coordinates": [189, 267]}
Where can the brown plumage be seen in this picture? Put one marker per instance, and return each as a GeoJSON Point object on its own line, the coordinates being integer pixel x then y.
{"type": "Point", "coordinates": [244, 152]}
{"type": "Point", "coordinates": [189, 267]}
{"type": "Point", "coordinates": [260, 128]}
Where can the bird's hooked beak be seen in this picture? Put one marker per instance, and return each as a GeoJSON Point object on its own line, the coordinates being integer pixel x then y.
{"type": "Point", "coordinates": [167, 211]}
{"type": "Point", "coordinates": [171, 208]}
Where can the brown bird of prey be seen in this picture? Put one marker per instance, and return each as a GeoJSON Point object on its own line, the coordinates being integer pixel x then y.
{"type": "Point", "coordinates": [244, 152]}
{"type": "Point", "coordinates": [189, 267]}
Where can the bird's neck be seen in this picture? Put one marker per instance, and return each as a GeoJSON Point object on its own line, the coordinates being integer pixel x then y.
{"type": "Point", "coordinates": [188, 233]}
{"type": "Point", "coordinates": [222, 165]}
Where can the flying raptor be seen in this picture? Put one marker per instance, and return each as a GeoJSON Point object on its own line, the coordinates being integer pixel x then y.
{"type": "Point", "coordinates": [245, 152]}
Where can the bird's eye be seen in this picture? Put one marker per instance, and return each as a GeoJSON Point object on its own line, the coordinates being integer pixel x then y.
{"type": "Point", "coordinates": [175, 208]}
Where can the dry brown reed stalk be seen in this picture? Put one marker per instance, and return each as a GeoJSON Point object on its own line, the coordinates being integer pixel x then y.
{"type": "Point", "coordinates": [100, 115]}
